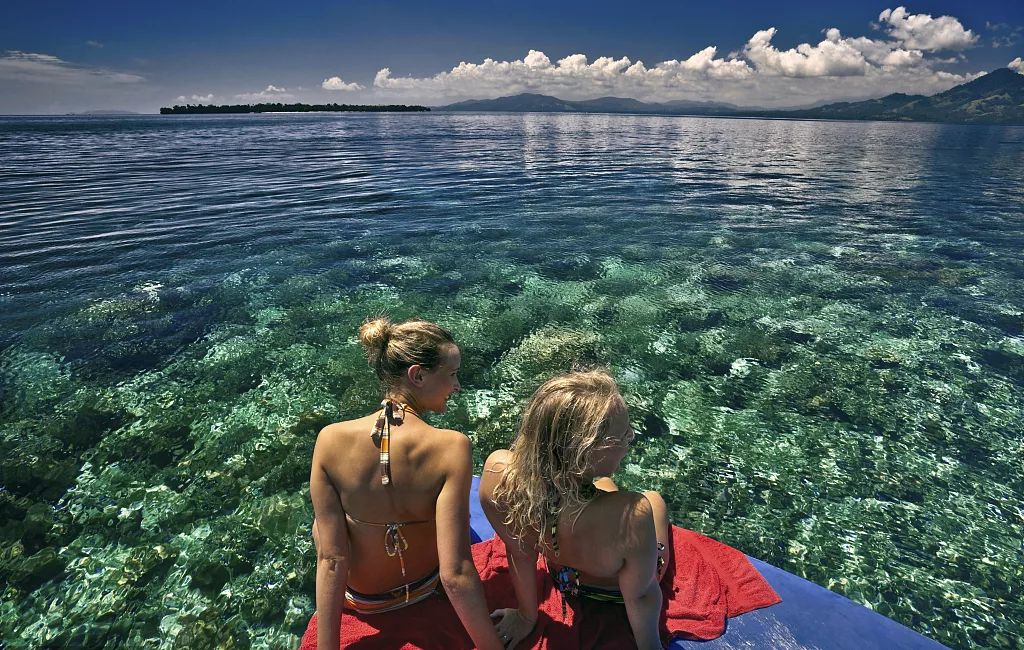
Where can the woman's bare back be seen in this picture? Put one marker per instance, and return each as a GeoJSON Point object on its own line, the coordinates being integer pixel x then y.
{"type": "Point", "coordinates": [418, 470]}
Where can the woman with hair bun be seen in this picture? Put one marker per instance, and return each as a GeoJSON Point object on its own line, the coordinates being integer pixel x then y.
{"type": "Point", "coordinates": [391, 498]}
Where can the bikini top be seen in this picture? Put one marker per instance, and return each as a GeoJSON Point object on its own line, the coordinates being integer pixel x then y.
{"type": "Point", "coordinates": [567, 578]}
{"type": "Point", "coordinates": [394, 541]}
{"type": "Point", "coordinates": [381, 434]}
{"type": "Point", "coordinates": [588, 492]}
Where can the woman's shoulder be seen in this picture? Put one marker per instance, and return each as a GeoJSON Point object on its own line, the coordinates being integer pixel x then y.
{"type": "Point", "coordinates": [494, 468]}
{"type": "Point", "coordinates": [497, 460]}
{"type": "Point", "coordinates": [627, 501]}
{"type": "Point", "coordinates": [347, 427]}
{"type": "Point", "coordinates": [453, 443]}
{"type": "Point", "coordinates": [338, 436]}
{"type": "Point", "coordinates": [622, 511]}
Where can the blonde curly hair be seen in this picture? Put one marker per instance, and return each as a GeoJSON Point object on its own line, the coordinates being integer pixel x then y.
{"type": "Point", "coordinates": [564, 423]}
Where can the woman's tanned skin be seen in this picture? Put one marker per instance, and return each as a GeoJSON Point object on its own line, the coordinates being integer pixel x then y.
{"type": "Point", "coordinates": [612, 542]}
{"type": "Point", "coordinates": [431, 474]}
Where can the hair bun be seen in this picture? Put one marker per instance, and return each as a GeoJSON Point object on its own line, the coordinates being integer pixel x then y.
{"type": "Point", "coordinates": [373, 335]}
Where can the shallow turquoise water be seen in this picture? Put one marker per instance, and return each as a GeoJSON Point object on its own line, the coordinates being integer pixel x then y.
{"type": "Point", "coordinates": [819, 328]}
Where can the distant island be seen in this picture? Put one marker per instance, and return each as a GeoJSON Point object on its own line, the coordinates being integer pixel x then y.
{"type": "Point", "coordinates": [995, 98]}
{"type": "Point", "coordinates": [107, 112]}
{"type": "Point", "coordinates": [206, 109]}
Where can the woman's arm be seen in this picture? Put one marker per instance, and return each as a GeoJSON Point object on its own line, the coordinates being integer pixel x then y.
{"type": "Point", "coordinates": [458, 574]}
{"type": "Point", "coordinates": [332, 549]}
{"type": "Point", "coordinates": [638, 579]}
{"type": "Point", "coordinates": [517, 623]}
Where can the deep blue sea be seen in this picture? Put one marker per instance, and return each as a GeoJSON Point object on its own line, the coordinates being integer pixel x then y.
{"type": "Point", "coordinates": [818, 326]}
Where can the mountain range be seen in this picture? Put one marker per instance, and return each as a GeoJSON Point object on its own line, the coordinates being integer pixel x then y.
{"type": "Point", "coordinates": [531, 102]}
{"type": "Point", "coordinates": [994, 98]}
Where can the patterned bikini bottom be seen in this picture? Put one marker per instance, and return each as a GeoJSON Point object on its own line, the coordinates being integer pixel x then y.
{"type": "Point", "coordinates": [407, 594]}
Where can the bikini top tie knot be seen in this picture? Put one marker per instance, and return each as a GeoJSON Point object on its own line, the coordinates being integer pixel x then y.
{"type": "Point", "coordinates": [391, 412]}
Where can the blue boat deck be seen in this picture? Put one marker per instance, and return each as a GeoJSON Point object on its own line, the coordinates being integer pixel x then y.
{"type": "Point", "coordinates": [809, 615]}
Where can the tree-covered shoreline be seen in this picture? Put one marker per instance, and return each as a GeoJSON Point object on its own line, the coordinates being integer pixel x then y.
{"type": "Point", "coordinates": [206, 109]}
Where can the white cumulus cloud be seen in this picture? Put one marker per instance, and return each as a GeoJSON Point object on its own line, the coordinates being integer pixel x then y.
{"type": "Point", "coordinates": [703, 64]}
{"type": "Point", "coordinates": [832, 57]}
{"type": "Point", "coordinates": [901, 59]}
{"type": "Point", "coordinates": [877, 52]}
{"type": "Point", "coordinates": [573, 76]}
{"type": "Point", "coordinates": [922, 32]}
{"type": "Point", "coordinates": [335, 83]}
{"type": "Point", "coordinates": [199, 99]}
{"type": "Point", "coordinates": [1017, 64]}
{"type": "Point", "coordinates": [269, 94]}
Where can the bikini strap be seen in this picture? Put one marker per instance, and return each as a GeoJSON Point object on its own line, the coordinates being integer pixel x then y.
{"type": "Point", "coordinates": [395, 542]}
{"type": "Point", "coordinates": [567, 578]}
{"type": "Point", "coordinates": [554, 533]}
{"type": "Point", "coordinates": [588, 491]}
{"type": "Point", "coordinates": [551, 505]}
{"type": "Point", "coordinates": [566, 581]}
{"type": "Point", "coordinates": [389, 523]}
{"type": "Point", "coordinates": [381, 434]}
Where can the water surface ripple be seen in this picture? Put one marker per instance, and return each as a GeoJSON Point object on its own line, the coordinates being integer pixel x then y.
{"type": "Point", "coordinates": [819, 328]}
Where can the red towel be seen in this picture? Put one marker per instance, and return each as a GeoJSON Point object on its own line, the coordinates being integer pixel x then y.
{"type": "Point", "coordinates": [706, 583]}
{"type": "Point", "coordinates": [428, 625]}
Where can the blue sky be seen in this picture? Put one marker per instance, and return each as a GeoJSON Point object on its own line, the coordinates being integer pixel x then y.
{"type": "Point", "coordinates": [59, 56]}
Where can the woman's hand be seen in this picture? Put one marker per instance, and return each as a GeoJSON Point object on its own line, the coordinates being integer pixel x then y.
{"type": "Point", "coordinates": [512, 625]}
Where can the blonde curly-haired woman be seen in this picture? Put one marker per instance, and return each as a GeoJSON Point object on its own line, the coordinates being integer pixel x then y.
{"type": "Point", "coordinates": [550, 495]}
